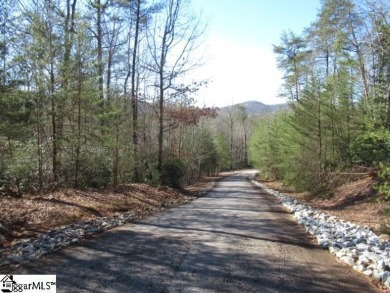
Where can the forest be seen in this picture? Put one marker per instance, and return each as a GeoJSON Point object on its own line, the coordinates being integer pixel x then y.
{"type": "Point", "coordinates": [337, 82]}
{"type": "Point", "coordinates": [96, 93]}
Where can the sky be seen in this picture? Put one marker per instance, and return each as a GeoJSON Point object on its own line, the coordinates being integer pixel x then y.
{"type": "Point", "coordinates": [241, 65]}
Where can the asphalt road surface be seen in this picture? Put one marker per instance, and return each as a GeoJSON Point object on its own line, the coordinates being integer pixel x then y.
{"type": "Point", "coordinates": [237, 238]}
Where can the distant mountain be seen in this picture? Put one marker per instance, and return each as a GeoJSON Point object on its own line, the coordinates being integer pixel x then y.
{"type": "Point", "coordinates": [256, 107]}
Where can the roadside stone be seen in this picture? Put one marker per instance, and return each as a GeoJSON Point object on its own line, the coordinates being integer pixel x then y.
{"type": "Point", "coordinates": [359, 268]}
{"type": "Point", "coordinates": [359, 239]}
{"type": "Point", "coordinates": [14, 258]}
{"type": "Point", "coordinates": [33, 256]}
{"type": "Point", "coordinates": [363, 260]}
{"type": "Point", "coordinates": [350, 243]}
{"type": "Point", "coordinates": [31, 249]}
{"type": "Point", "coordinates": [385, 276]}
{"type": "Point", "coordinates": [348, 260]}
{"type": "Point", "coordinates": [334, 250]}
{"type": "Point", "coordinates": [342, 252]}
{"type": "Point", "coordinates": [372, 256]}
{"type": "Point", "coordinates": [367, 272]}
{"type": "Point", "coordinates": [362, 246]}
{"type": "Point", "coordinates": [377, 275]}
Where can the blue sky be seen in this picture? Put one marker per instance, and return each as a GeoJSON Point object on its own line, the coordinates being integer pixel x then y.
{"type": "Point", "coordinates": [241, 64]}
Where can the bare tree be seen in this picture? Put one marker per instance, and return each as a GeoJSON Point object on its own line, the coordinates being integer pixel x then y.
{"type": "Point", "coordinates": [172, 41]}
{"type": "Point", "coordinates": [134, 95]}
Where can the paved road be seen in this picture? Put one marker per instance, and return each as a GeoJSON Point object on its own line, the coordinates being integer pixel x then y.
{"type": "Point", "coordinates": [235, 239]}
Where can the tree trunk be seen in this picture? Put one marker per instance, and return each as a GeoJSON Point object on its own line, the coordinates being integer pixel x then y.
{"type": "Point", "coordinates": [116, 157]}
{"type": "Point", "coordinates": [78, 145]}
{"type": "Point", "coordinates": [134, 95]}
{"type": "Point", "coordinates": [231, 146]}
{"type": "Point", "coordinates": [160, 123]}
{"type": "Point", "coordinates": [99, 38]}
{"type": "Point", "coordinates": [55, 163]}
{"type": "Point", "coordinates": [39, 144]}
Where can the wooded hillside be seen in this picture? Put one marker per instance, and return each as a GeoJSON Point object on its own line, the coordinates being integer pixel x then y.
{"type": "Point", "coordinates": [96, 93]}
{"type": "Point", "coordinates": [92, 94]}
{"type": "Point", "coordinates": [337, 80]}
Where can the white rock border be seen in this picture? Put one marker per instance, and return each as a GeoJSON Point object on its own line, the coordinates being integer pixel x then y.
{"type": "Point", "coordinates": [352, 244]}
{"type": "Point", "coordinates": [31, 249]}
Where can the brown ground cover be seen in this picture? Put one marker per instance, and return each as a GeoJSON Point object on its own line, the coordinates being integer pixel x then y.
{"type": "Point", "coordinates": [355, 202]}
{"type": "Point", "coordinates": [34, 214]}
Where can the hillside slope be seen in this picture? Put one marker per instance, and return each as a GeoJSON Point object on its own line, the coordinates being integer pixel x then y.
{"type": "Point", "coordinates": [354, 201]}
{"type": "Point", "coordinates": [257, 108]}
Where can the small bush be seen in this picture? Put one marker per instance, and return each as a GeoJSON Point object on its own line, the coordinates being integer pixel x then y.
{"type": "Point", "coordinates": [150, 174]}
{"type": "Point", "coordinates": [18, 167]}
{"type": "Point", "coordinates": [383, 185]}
{"type": "Point", "coordinates": [371, 147]}
{"type": "Point", "coordinates": [173, 172]}
{"type": "Point", "coordinates": [95, 168]}
{"type": "Point", "coordinates": [98, 175]}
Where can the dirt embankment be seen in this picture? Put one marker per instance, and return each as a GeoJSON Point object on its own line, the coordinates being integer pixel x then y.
{"type": "Point", "coordinates": [355, 202]}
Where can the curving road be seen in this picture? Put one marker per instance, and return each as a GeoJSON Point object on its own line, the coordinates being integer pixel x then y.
{"type": "Point", "coordinates": [235, 239]}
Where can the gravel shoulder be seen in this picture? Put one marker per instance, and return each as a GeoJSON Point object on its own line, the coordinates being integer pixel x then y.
{"type": "Point", "coordinates": [235, 238]}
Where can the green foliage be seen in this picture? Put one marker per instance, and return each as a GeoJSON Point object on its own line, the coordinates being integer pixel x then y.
{"type": "Point", "coordinates": [371, 147]}
{"type": "Point", "coordinates": [67, 120]}
{"type": "Point", "coordinates": [340, 114]}
{"type": "Point", "coordinates": [208, 159]}
{"type": "Point", "coordinates": [383, 185]}
{"type": "Point", "coordinates": [204, 155]}
{"type": "Point", "coordinates": [94, 167]}
{"type": "Point", "coordinates": [262, 154]}
{"type": "Point", "coordinates": [172, 173]}
{"type": "Point", "coordinates": [222, 152]}
{"type": "Point", "coordinates": [18, 166]}
{"type": "Point", "coordinates": [15, 115]}
{"type": "Point", "coordinates": [274, 151]}
{"type": "Point", "coordinates": [290, 55]}
{"type": "Point", "coordinates": [151, 174]}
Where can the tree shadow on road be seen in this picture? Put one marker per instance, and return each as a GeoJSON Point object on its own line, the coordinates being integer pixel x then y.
{"type": "Point", "coordinates": [246, 245]}
{"type": "Point", "coordinates": [126, 261]}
